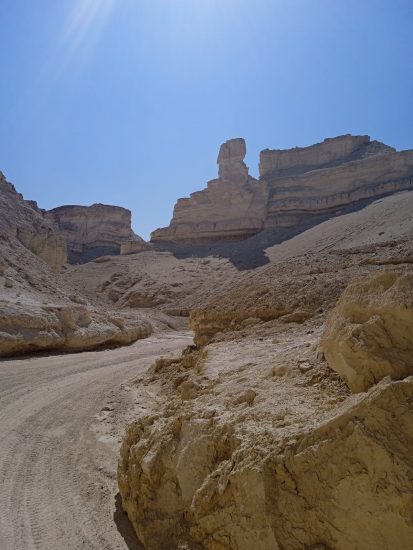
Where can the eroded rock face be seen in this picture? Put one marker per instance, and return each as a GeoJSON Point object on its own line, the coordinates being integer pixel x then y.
{"type": "Point", "coordinates": [39, 310]}
{"type": "Point", "coordinates": [30, 327]}
{"type": "Point", "coordinates": [232, 469]}
{"type": "Point", "coordinates": [133, 245]}
{"type": "Point", "coordinates": [231, 165]}
{"type": "Point", "coordinates": [97, 230]}
{"type": "Point", "coordinates": [24, 221]}
{"type": "Point", "coordinates": [232, 207]}
{"type": "Point", "coordinates": [297, 187]}
{"type": "Point", "coordinates": [255, 441]}
{"type": "Point", "coordinates": [330, 151]}
{"type": "Point", "coordinates": [299, 197]}
{"type": "Point", "coordinates": [355, 466]}
{"type": "Point", "coordinates": [369, 334]}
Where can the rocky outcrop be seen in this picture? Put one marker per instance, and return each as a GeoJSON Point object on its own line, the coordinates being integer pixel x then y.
{"type": "Point", "coordinates": [133, 246]}
{"type": "Point", "coordinates": [30, 327]}
{"type": "Point", "coordinates": [254, 441]}
{"type": "Point", "coordinates": [232, 207]}
{"type": "Point", "coordinates": [296, 198]}
{"type": "Point", "coordinates": [369, 334]}
{"type": "Point", "coordinates": [241, 458]}
{"type": "Point", "coordinates": [39, 310]}
{"type": "Point", "coordinates": [23, 221]}
{"type": "Point", "coordinates": [331, 151]}
{"type": "Point", "coordinates": [97, 230]}
{"type": "Point", "coordinates": [297, 188]}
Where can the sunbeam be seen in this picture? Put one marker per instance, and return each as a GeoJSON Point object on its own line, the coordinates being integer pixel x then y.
{"type": "Point", "coordinates": [85, 25]}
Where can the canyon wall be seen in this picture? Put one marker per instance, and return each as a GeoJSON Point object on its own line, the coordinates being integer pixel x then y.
{"type": "Point", "coordinates": [298, 197]}
{"type": "Point", "coordinates": [40, 310]}
{"type": "Point", "coordinates": [24, 221]}
{"type": "Point", "coordinates": [233, 206]}
{"type": "Point", "coordinates": [332, 150]}
{"type": "Point", "coordinates": [97, 230]}
{"type": "Point", "coordinates": [296, 187]}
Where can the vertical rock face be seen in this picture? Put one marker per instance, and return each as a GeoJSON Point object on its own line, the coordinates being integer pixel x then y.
{"type": "Point", "coordinates": [296, 187]}
{"type": "Point", "coordinates": [25, 221]}
{"type": "Point", "coordinates": [232, 206]}
{"type": "Point", "coordinates": [331, 150]}
{"type": "Point", "coordinates": [301, 188]}
{"type": "Point", "coordinates": [97, 230]}
{"type": "Point", "coordinates": [231, 165]}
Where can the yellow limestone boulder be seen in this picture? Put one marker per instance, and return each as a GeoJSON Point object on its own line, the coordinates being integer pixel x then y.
{"type": "Point", "coordinates": [369, 335]}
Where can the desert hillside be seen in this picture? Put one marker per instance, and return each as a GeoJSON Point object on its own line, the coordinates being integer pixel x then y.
{"type": "Point", "coordinates": [40, 309]}
{"type": "Point", "coordinates": [267, 385]}
{"type": "Point", "coordinates": [297, 188]}
{"type": "Point", "coordinates": [318, 262]}
{"type": "Point", "coordinates": [206, 275]}
{"type": "Point", "coordinates": [294, 402]}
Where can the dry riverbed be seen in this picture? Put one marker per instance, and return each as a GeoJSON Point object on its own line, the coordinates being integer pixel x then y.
{"type": "Point", "coordinates": [62, 418]}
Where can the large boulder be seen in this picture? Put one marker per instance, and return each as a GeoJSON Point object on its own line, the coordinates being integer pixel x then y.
{"type": "Point", "coordinates": [369, 335]}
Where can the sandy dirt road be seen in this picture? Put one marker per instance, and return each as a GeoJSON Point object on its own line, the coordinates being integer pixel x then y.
{"type": "Point", "coordinates": [61, 421]}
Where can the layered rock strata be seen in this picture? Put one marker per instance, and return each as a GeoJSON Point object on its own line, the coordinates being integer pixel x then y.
{"type": "Point", "coordinates": [232, 207]}
{"type": "Point", "coordinates": [297, 187]}
{"type": "Point", "coordinates": [23, 221]}
{"type": "Point", "coordinates": [39, 310]}
{"type": "Point", "coordinates": [331, 151]}
{"type": "Point", "coordinates": [296, 198]}
{"type": "Point", "coordinates": [97, 230]}
{"type": "Point", "coordinates": [134, 245]}
{"type": "Point", "coordinates": [29, 327]}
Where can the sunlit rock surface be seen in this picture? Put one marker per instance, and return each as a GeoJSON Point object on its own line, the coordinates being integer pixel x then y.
{"type": "Point", "coordinates": [97, 230]}
{"type": "Point", "coordinates": [369, 335]}
{"type": "Point", "coordinates": [297, 187]}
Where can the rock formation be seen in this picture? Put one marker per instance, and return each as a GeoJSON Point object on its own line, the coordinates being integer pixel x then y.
{"type": "Point", "coordinates": [97, 230]}
{"type": "Point", "coordinates": [232, 207]}
{"type": "Point", "coordinates": [255, 440]}
{"type": "Point", "coordinates": [369, 335]}
{"type": "Point", "coordinates": [24, 221]}
{"type": "Point", "coordinates": [331, 151]}
{"type": "Point", "coordinates": [30, 327]}
{"type": "Point", "coordinates": [39, 310]}
{"type": "Point", "coordinates": [297, 187]}
{"type": "Point", "coordinates": [259, 445]}
{"type": "Point", "coordinates": [133, 245]}
{"type": "Point", "coordinates": [309, 193]}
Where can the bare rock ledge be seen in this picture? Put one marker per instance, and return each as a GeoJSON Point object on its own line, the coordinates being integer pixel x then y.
{"type": "Point", "coordinates": [295, 187]}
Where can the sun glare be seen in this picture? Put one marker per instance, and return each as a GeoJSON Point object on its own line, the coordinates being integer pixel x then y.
{"type": "Point", "coordinates": [85, 25]}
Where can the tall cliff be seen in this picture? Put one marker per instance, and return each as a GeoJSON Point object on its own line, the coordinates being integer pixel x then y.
{"type": "Point", "coordinates": [232, 206]}
{"type": "Point", "coordinates": [23, 221]}
{"type": "Point", "coordinates": [97, 230]}
{"type": "Point", "coordinates": [297, 187]}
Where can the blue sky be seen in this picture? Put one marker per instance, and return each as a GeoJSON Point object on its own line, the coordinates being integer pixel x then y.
{"type": "Point", "coordinates": [127, 101]}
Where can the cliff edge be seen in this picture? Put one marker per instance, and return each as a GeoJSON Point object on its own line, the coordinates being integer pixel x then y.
{"type": "Point", "coordinates": [297, 188]}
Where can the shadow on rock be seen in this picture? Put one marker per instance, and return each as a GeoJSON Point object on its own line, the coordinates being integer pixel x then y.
{"type": "Point", "coordinates": [250, 253]}
{"type": "Point", "coordinates": [124, 526]}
